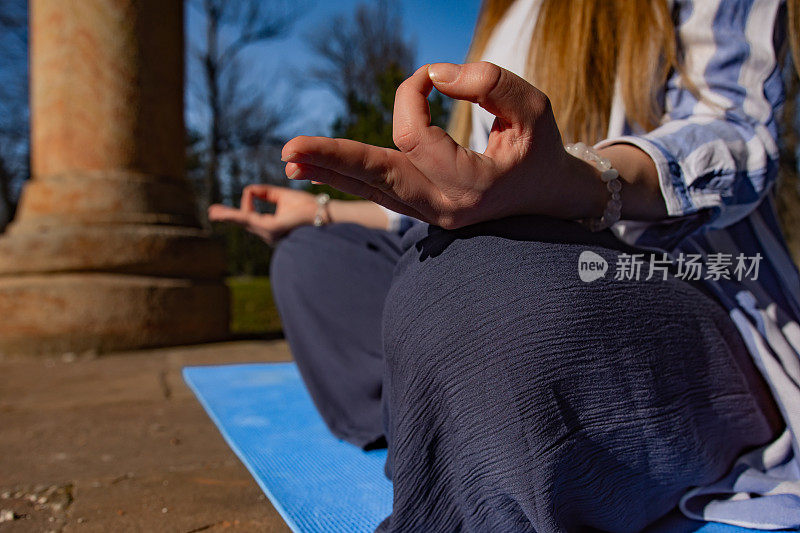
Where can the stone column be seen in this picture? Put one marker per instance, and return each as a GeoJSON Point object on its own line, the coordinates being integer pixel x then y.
{"type": "Point", "coordinates": [106, 251]}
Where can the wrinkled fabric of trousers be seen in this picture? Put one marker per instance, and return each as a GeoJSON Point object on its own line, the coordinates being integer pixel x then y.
{"type": "Point", "coordinates": [513, 396]}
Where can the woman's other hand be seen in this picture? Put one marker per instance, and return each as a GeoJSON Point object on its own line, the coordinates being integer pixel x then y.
{"type": "Point", "coordinates": [292, 209]}
{"type": "Point", "coordinates": [524, 170]}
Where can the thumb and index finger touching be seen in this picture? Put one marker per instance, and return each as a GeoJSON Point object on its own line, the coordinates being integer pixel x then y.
{"type": "Point", "coordinates": [246, 214]}
{"type": "Point", "coordinates": [513, 100]}
{"type": "Point", "coordinates": [263, 192]}
{"type": "Point", "coordinates": [499, 91]}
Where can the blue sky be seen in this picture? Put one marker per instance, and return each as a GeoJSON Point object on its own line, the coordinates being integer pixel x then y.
{"type": "Point", "coordinates": [440, 29]}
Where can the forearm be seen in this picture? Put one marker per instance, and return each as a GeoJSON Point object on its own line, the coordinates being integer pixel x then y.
{"type": "Point", "coordinates": [641, 195]}
{"type": "Point", "coordinates": [365, 213]}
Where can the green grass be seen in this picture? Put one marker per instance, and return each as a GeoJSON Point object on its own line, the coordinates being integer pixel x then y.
{"type": "Point", "coordinates": [252, 308]}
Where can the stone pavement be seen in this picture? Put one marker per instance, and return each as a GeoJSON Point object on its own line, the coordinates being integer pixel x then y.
{"type": "Point", "coordinates": [118, 443]}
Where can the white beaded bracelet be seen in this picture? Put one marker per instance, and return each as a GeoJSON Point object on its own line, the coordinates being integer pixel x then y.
{"type": "Point", "coordinates": [610, 177]}
{"type": "Point", "coordinates": [322, 204]}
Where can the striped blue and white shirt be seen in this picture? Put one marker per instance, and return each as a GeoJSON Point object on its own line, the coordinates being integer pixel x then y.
{"type": "Point", "coordinates": [717, 161]}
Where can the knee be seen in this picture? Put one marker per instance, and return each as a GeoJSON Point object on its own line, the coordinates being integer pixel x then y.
{"type": "Point", "coordinates": [310, 250]}
{"type": "Point", "coordinates": [333, 259]}
{"type": "Point", "coordinates": [485, 293]}
{"type": "Point", "coordinates": [474, 293]}
{"type": "Point", "coordinates": [288, 252]}
{"type": "Point", "coordinates": [457, 294]}
{"type": "Point", "coordinates": [293, 249]}
{"type": "Point", "coordinates": [457, 269]}
{"type": "Point", "coordinates": [296, 261]}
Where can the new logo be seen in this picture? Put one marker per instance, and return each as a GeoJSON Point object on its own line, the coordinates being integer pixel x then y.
{"type": "Point", "coordinates": [591, 266]}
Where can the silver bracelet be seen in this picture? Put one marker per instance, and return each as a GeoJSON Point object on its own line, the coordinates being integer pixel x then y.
{"type": "Point", "coordinates": [610, 177]}
{"type": "Point", "coordinates": [322, 200]}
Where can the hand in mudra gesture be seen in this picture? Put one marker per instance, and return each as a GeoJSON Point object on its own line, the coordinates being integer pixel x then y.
{"type": "Point", "coordinates": [434, 179]}
{"type": "Point", "coordinates": [292, 209]}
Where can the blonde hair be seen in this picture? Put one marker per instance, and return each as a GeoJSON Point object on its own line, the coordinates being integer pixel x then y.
{"type": "Point", "coordinates": [600, 41]}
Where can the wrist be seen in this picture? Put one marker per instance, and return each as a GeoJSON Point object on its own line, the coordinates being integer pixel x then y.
{"type": "Point", "coordinates": [588, 195]}
{"type": "Point", "coordinates": [364, 213]}
{"type": "Point", "coordinates": [642, 192]}
{"type": "Point", "coordinates": [322, 214]}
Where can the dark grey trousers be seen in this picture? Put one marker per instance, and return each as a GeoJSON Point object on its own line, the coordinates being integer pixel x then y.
{"type": "Point", "coordinates": [513, 395]}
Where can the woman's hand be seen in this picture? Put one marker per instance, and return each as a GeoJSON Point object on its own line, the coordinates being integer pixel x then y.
{"type": "Point", "coordinates": [293, 208]}
{"type": "Point", "coordinates": [524, 170]}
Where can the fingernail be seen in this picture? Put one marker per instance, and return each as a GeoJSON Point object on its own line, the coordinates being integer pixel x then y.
{"type": "Point", "coordinates": [295, 174]}
{"type": "Point", "coordinates": [289, 157]}
{"type": "Point", "coordinates": [443, 72]}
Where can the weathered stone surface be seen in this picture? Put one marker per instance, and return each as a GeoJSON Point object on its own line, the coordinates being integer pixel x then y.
{"type": "Point", "coordinates": [125, 438]}
{"type": "Point", "coordinates": [149, 250]}
{"type": "Point", "coordinates": [107, 86]}
{"type": "Point", "coordinates": [107, 251]}
{"type": "Point", "coordinates": [104, 312]}
{"type": "Point", "coordinates": [109, 197]}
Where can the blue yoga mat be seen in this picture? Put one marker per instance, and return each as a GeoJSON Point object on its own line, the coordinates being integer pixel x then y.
{"type": "Point", "coordinates": [317, 483]}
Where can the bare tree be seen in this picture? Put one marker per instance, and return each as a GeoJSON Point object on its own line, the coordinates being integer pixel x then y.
{"type": "Point", "coordinates": [363, 59]}
{"type": "Point", "coordinates": [356, 51]}
{"type": "Point", "coordinates": [14, 143]}
{"type": "Point", "coordinates": [240, 125]}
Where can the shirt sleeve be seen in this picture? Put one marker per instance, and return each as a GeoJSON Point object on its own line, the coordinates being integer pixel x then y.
{"type": "Point", "coordinates": [398, 223]}
{"type": "Point", "coordinates": [717, 156]}
{"type": "Point", "coordinates": [393, 224]}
